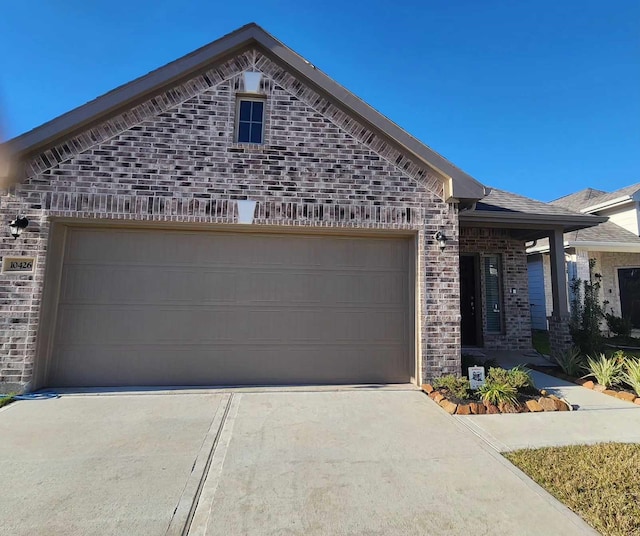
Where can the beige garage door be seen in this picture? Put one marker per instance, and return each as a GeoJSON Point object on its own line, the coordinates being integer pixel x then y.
{"type": "Point", "coordinates": [158, 307]}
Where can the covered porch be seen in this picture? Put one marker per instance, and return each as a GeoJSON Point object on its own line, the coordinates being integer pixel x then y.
{"type": "Point", "coordinates": [494, 298]}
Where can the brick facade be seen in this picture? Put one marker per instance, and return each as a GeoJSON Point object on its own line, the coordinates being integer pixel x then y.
{"type": "Point", "coordinates": [516, 316]}
{"type": "Point", "coordinates": [173, 159]}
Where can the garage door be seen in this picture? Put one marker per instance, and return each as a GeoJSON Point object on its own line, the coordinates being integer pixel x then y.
{"type": "Point", "coordinates": [158, 307]}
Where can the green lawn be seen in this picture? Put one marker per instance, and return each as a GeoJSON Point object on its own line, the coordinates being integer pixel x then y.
{"type": "Point", "coordinates": [601, 483]}
{"type": "Point", "coordinates": [6, 399]}
{"type": "Point", "coordinates": [541, 341]}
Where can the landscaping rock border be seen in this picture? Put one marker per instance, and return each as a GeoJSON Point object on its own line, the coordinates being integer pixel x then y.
{"type": "Point", "coordinates": [542, 404]}
{"type": "Point", "coordinates": [622, 394]}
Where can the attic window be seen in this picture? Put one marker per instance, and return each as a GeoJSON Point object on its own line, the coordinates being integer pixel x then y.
{"type": "Point", "coordinates": [250, 120]}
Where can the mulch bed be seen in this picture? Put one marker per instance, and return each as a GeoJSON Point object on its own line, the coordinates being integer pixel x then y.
{"type": "Point", "coordinates": [533, 401]}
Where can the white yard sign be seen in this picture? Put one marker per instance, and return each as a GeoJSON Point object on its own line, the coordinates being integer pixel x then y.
{"type": "Point", "coordinates": [476, 377]}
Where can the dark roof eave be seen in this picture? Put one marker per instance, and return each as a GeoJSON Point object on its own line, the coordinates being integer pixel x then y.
{"type": "Point", "coordinates": [519, 220]}
{"type": "Point", "coordinates": [462, 186]}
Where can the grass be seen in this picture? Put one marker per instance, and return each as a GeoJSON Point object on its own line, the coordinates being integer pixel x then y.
{"type": "Point", "coordinates": [541, 341]}
{"type": "Point", "coordinates": [6, 400]}
{"type": "Point", "coordinates": [601, 482]}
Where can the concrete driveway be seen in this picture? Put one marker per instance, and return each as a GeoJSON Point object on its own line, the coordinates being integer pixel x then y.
{"type": "Point", "coordinates": [103, 465]}
{"type": "Point", "coordinates": [277, 462]}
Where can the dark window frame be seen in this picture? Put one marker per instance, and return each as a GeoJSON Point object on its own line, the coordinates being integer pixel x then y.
{"type": "Point", "coordinates": [250, 122]}
{"type": "Point", "coordinates": [493, 301]}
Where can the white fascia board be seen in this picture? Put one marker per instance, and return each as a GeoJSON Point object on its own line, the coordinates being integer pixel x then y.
{"type": "Point", "coordinates": [628, 247]}
{"type": "Point", "coordinates": [609, 204]}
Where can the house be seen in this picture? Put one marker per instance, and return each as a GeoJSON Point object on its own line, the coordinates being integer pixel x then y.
{"type": "Point", "coordinates": [614, 246]}
{"type": "Point", "coordinates": [237, 217]}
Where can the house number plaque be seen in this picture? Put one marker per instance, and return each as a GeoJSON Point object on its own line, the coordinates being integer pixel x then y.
{"type": "Point", "coordinates": [18, 264]}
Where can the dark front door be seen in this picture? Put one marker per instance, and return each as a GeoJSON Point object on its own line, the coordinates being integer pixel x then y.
{"type": "Point", "coordinates": [469, 304]}
{"type": "Point", "coordinates": [629, 280]}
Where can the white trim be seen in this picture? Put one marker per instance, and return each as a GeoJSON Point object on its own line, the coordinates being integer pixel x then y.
{"type": "Point", "coordinates": [608, 204]}
{"type": "Point", "coordinates": [624, 247]}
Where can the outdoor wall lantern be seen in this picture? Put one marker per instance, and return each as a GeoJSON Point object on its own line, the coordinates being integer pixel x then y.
{"type": "Point", "coordinates": [441, 238]}
{"type": "Point", "coordinates": [18, 225]}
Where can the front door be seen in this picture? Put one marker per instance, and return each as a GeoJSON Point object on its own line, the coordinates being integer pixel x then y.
{"type": "Point", "coordinates": [469, 303]}
{"type": "Point", "coordinates": [629, 280]}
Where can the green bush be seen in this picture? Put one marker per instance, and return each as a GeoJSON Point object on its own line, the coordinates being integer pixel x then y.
{"type": "Point", "coordinates": [631, 375]}
{"type": "Point", "coordinates": [570, 361]}
{"type": "Point", "coordinates": [618, 325]}
{"type": "Point", "coordinates": [496, 393]}
{"type": "Point", "coordinates": [518, 377]}
{"type": "Point", "coordinates": [606, 370]}
{"type": "Point", "coordinates": [458, 387]}
{"type": "Point", "coordinates": [587, 312]}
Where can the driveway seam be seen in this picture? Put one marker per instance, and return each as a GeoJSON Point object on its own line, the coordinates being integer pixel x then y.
{"type": "Point", "coordinates": [185, 509]}
{"type": "Point", "coordinates": [199, 522]}
{"type": "Point", "coordinates": [526, 479]}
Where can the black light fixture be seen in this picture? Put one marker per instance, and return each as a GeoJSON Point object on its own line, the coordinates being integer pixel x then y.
{"type": "Point", "coordinates": [18, 225]}
{"type": "Point", "coordinates": [441, 238]}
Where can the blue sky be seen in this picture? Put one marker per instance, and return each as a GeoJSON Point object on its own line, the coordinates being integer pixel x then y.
{"type": "Point", "coordinates": [539, 97]}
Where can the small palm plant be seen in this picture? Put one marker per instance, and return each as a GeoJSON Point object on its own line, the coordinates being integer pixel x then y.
{"type": "Point", "coordinates": [606, 371]}
{"type": "Point", "coordinates": [631, 375]}
{"type": "Point", "coordinates": [496, 393]}
{"type": "Point", "coordinates": [570, 361]}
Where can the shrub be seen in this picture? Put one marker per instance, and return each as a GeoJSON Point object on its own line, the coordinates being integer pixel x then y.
{"type": "Point", "coordinates": [458, 387]}
{"type": "Point", "coordinates": [618, 325]}
{"type": "Point", "coordinates": [570, 361]}
{"type": "Point", "coordinates": [631, 375]}
{"type": "Point", "coordinates": [587, 312]}
{"type": "Point", "coordinates": [496, 393]}
{"type": "Point", "coordinates": [518, 377]}
{"type": "Point", "coordinates": [606, 371]}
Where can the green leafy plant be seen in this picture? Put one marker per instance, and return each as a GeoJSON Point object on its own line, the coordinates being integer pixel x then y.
{"type": "Point", "coordinates": [606, 370]}
{"type": "Point", "coordinates": [570, 361]}
{"type": "Point", "coordinates": [518, 377]}
{"type": "Point", "coordinates": [496, 393]}
{"type": "Point", "coordinates": [618, 325]}
{"type": "Point", "coordinates": [587, 312]}
{"type": "Point", "coordinates": [631, 374]}
{"type": "Point", "coordinates": [458, 387]}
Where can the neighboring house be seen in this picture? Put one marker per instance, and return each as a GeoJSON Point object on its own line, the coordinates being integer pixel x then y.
{"type": "Point", "coordinates": [237, 217]}
{"type": "Point", "coordinates": [613, 245]}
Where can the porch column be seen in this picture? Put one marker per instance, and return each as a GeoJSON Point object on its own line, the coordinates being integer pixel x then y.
{"type": "Point", "coordinates": [558, 273]}
{"type": "Point", "coordinates": [559, 335]}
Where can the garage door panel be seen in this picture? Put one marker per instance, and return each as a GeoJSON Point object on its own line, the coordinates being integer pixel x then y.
{"type": "Point", "coordinates": [256, 365]}
{"type": "Point", "coordinates": [148, 307]}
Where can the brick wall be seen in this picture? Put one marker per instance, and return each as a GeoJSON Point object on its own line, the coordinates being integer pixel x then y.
{"type": "Point", "coordinates": [607, 265]}
{"type": "Point", "coordinates": [173, 159]}
{"type": "Point", "coordinates": [516, 316]}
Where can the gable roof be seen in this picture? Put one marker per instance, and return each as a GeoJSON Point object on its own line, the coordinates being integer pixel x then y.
{"type": "Point", "coordinates": [590, 200]}
{"type": "Point", "coordinates": [458, 184]}
{"type": "Point", "coordinates": [606, 236]}
{"type": "Point", "coordinates": [578, 200]}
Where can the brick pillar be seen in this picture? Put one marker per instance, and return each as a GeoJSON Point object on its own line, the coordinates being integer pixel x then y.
{"type": "Point", "coordinates": [559, 336]}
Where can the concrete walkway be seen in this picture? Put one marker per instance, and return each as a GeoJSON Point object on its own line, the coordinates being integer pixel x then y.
{"type": "Point", "coordinates": [599, 418]}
